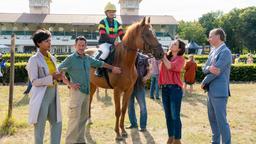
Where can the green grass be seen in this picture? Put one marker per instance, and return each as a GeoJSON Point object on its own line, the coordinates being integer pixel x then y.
{"type": "Point", "coordinates": [196, 129]}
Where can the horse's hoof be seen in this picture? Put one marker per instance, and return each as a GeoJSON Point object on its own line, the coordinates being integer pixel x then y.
{"type": "Point", "coordinates": [119, 138]}
{"type": "Point", "coordinates": [124, 134]}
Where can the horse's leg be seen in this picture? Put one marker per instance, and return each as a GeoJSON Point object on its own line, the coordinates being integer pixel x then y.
{"type": "Point", "coordinates": [106, 92]}
{"type": "Point", "coordinates": [126, 99]}
{"type": "Point", "coordinates": [92, 91]}
{"type": "Point", "coordinates": [117, 95]}
{"type": "Point", "coordinates": [98, 92]}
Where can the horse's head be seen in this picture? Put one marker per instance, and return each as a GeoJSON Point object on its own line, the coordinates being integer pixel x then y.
{"type": "Point", "coordinates": [146, 39]}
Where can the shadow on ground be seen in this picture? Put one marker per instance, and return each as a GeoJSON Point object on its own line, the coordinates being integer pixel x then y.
{"type": "Point", "coordinates": [105, 99]}
{"type": "Point", "coordinates": [195, 98]}
{"type": "Point", "coordinates": [23, 101]}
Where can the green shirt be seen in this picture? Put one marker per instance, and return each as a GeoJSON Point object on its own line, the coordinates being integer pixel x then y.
{"type": "Point", "coordinates": [78, 69]}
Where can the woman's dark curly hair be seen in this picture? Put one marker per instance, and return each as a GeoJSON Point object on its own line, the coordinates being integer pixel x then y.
{"type": "Point", "coordinates": [181, 51]}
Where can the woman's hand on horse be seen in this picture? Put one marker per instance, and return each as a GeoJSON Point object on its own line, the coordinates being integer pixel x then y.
{"type": "Point", "coordinates": [116, 70]}
{"type": "Point", "coordinates": [74, 86]}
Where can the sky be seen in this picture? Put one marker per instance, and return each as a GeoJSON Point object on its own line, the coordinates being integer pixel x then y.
{"type": "Point", "coordinates": [187, 10]}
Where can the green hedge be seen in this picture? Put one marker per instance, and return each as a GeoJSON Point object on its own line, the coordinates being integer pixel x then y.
{"type": "Point", "coordinates": [199, 58]}
{"type": "Point", "coordinates": [239, 72]}
{"type": "Point", "coordinates": [60, 58]}
{"type": "Point", "coordinates": [18, 57]}
{"type": "Point", "coordinates": [24, 57]}
{"type": "Point", "coordinates": [20, 73]}
{"type": "Point", "coordinates": [203, 58]}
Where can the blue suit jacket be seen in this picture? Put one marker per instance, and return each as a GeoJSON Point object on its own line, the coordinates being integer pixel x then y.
{"type": "Point", "coordinates": [218, 84]}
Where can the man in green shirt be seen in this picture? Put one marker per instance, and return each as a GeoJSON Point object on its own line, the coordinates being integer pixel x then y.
{"type": "Point", "coordinates": [77, 65]}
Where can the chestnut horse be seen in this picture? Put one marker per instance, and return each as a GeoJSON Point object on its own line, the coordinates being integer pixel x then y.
{"type": "Point", "coordinates": [138, 36]}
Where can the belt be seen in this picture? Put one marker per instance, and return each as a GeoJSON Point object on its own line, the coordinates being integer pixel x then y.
{"type": "Point", "coordinates": [169, 85]}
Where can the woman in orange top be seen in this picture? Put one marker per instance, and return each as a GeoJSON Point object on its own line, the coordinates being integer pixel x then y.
{"type": "Point", "coordinates": [190, 73]}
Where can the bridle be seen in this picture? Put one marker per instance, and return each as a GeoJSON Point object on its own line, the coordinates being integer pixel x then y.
{"type": "Point", "coordinates": [147, 46]}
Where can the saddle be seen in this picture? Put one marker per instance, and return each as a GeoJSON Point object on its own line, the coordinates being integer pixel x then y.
{"type": "Point", "coordinates": [109, 60]}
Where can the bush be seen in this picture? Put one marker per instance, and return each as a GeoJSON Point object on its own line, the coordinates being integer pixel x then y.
{"type": "Point", "coordinates": [19, 72]}
{"type": "Point", "coordinates": [60, 58]}
{"type": "Point", "coordinates": [199, 58]}
{"type": "Point", "coordinates": [239, 72]}
{"type": "Point", "coordinates": [25, 57]}
{"type": "Point", "coordinates": [18, 57]}
{"type": "Point", "coordinates": [9, 126]}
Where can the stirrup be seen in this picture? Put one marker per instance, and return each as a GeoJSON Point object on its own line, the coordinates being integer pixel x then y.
{"type": "Point", "coordinates": [99, 72]}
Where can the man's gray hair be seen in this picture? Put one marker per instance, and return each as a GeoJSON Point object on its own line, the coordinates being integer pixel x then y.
{"type": "Point", "coordinates": [220, 32]}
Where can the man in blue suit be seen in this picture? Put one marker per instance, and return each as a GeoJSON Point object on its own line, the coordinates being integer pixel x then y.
{"type": "Point", "coordinates": [216, 82]}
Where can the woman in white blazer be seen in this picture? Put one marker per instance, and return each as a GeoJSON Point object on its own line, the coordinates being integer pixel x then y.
{"type": "Point", "coordinates": [44, 103]}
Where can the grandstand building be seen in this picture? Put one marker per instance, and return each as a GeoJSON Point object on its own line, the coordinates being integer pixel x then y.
{"type": "Point", "coordinates": [65, 27]}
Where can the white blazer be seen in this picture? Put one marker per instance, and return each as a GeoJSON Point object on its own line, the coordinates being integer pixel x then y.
{"type": "Point", "coordinates": [40, 78]}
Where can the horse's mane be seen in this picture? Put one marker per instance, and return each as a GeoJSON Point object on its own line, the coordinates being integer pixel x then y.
{"type": "Point", "coordinates": [129, 36]}
{"type": "Point", "coordinates": [130, 32]}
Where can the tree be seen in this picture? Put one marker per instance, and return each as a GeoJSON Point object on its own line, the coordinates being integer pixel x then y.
{"type": "Point", "coordinates": [231, 24]}
{"type": "Point", "coordinates": [248, 27]}
{"type": "Point", "coordinates": [210, 20]}
{"type": "Point", "coordinates": [192, 31]}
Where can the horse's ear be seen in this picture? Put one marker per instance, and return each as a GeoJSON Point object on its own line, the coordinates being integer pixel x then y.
{"type": "Point", "coordinates": [148, 20]}
{"type": "Point", "coordinates": [142, 23]}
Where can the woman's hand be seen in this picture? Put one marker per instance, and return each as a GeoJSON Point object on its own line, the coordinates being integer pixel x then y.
{"type": "Point", "coordinates": [57, 76]}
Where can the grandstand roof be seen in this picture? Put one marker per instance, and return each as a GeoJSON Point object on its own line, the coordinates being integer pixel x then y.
{"type": "Point", "coordinates": [80, 19]}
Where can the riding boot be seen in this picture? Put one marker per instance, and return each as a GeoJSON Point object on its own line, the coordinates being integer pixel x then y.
{"type": "Point", "coordinates": [99, 72]}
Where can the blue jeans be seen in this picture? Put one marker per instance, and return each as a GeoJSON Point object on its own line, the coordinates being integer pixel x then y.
{"type": "Point", "coordinates": [139, 94]}
{"type": "Point", "coordinates": [154, 86]}
{"type": "Point", "coordinates": [171, 98]}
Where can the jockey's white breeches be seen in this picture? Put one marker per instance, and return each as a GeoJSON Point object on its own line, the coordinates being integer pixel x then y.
{"type": "Point", "coordinates": [103, 51]}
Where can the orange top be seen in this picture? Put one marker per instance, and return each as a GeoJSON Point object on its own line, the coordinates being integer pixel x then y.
{"type": "Point", "coordinates": [190, 72]}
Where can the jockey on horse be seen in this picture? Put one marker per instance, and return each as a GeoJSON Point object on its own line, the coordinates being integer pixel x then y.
{"type": "Point", "coordinates": [111, 33]}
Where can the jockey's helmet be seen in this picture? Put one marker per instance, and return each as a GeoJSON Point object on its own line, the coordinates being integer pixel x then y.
{"type": "Point", "coordinates": [109, 7]}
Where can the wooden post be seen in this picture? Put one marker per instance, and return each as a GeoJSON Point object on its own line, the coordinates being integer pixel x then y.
{"type": "Point", "coordinates": [13, 38]}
